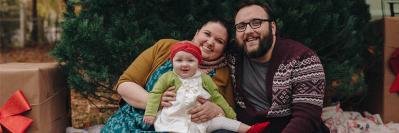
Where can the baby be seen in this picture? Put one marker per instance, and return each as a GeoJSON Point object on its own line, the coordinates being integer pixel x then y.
{"type": "Point", "coordinates": [190, 84]}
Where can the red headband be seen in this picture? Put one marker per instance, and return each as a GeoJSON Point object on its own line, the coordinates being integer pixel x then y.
{"type": "Point", "coordinates": [186, 46]}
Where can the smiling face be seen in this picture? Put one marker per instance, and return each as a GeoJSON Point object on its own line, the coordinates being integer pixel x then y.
{"type": "Point", "coordinates": [212, 39]}
{"type": "Point", "coordinates": [185, 64]}
{"type": "Point", "coordinates": [256, 42]}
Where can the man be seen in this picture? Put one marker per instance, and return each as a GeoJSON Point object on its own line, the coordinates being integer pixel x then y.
{"type": "Point", "coordinates": [275, 79]}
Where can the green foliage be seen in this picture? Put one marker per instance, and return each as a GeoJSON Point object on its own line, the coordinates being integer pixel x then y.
{"type": "Point", "coordinates": [100, 42]}
{"type": "Point", "coordinates": [336, 30]}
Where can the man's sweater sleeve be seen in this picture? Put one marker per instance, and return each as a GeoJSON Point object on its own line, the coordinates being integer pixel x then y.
{"type": "Point", "coordinates": [308, 93]}
{"type": "Point", "coordinates": [306, 118]}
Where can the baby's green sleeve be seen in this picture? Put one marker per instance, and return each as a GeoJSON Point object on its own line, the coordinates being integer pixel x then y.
{"type": "Point", "coordinates": [216, 97]}
{"type": "Point", "coordinates": [155, 95]}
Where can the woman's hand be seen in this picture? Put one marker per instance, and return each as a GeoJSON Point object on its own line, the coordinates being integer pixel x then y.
{"type": "Point", "coordinates": [149, 119]}
{"type": "Point", "coordinates": [168, 96]}
{"type": "Point", "coordinates": [205, 111]}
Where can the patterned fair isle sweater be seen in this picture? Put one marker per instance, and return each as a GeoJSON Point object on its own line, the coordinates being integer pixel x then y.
{"type": "Point", "coordinates": [295, 84]}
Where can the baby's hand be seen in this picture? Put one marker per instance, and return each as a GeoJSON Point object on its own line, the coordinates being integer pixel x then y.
{"type": "Point", "coordinates": [149, 119]}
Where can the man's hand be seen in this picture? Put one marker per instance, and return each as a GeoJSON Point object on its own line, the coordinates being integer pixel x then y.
{"type": "Point", "coordinates": [149, 119]}
{"type": "Point", "coordinates": [168, 96]}
{"type": "Point", "coordinates": [205, 111]}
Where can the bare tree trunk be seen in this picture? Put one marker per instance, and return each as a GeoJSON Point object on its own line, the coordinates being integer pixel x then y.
{"type": "Point", "coordinates": [2, 42]}
{"type": "Point", "coordinates": [35, 27]}
{"type": "Point", "coordinates": [22, 22]}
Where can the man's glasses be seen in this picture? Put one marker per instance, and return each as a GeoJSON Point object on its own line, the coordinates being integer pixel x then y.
{"type": "Point", "coordinates": [254, 24]}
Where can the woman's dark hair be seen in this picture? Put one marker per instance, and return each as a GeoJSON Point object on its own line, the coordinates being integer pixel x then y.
{"type": "Point", "coordinates": [226, 24]}
{"type": "Point", "coordinates": [247, 3]}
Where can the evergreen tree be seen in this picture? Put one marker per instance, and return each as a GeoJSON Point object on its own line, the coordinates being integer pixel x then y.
{"type": "Point", "coordinates": [336, 30]}
{"type": "Point", "coordinates": [100, 41]}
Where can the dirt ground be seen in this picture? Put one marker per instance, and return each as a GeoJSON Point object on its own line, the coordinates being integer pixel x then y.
{"type": "Point", "coordinates": [27, 54]}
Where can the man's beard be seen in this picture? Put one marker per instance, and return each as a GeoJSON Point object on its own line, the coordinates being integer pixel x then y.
{"type": "Point", "coordinates": [264, 46]}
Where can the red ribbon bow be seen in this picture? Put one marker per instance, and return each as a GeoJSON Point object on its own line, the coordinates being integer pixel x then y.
{"type": "Point", "coordinates": [9, 113]}
{"type": "Point", "coordinates": [394, 64]}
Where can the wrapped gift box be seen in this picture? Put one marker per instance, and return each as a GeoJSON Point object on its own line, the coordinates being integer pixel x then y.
{"type": "Point", "coordinates": [390, 110]}
{"type": "Point", "coordinates": [44, 87]}
{"type": "Point", "coordinates": [379, 100]}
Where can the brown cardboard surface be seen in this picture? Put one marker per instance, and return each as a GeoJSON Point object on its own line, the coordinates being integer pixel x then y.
{"type": "Point", "coordinates": [45, 89]}
{"type": "Point", "coordinates": [390, 110]}
{"type": "Point", "coordinates": [391, 30]}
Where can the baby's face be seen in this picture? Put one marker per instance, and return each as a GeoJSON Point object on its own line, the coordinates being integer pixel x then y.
{"type": "Point", "coordinates": [185, 64]}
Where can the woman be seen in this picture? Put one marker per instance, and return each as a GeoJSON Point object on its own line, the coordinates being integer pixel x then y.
{"type": "Point", "coordinates": [139, 79]}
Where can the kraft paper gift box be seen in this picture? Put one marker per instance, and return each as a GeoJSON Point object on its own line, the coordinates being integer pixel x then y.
{"type": "Point", "coordinates": [379, 100]}
{"type": "Point", "coordinates": [390, 101]}
{"type": "Point", "coordinates": [44, 87]}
